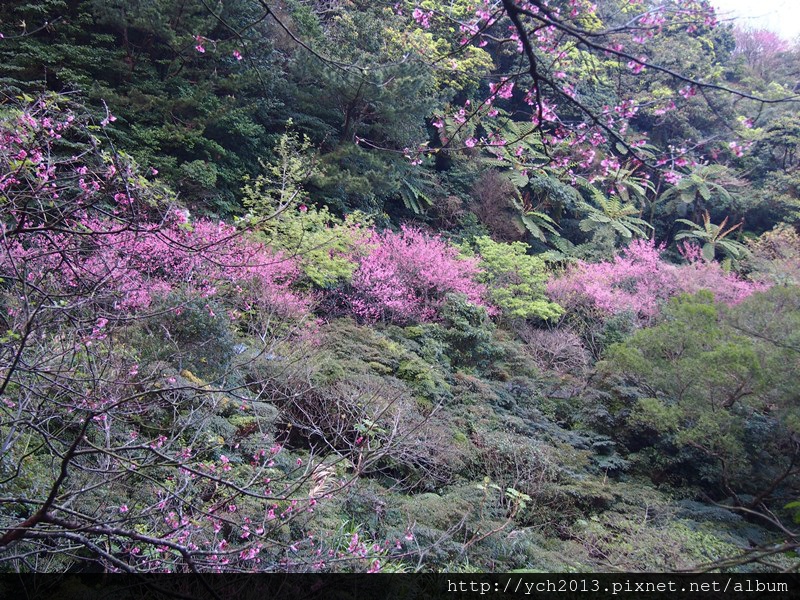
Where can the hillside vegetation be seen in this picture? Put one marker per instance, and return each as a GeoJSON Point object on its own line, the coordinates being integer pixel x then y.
{"type": "Point", "coordinates": [397, 286]}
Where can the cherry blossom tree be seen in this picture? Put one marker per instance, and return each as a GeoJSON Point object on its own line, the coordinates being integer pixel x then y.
{"type": "Point", "coordinates": [640, 282]}
{"type": "Point", "coordinates": [759, 47]}
{"type": "Point", "coordinates": [563, 53]}
{"type": "Point", "coordinates": [406, 277]}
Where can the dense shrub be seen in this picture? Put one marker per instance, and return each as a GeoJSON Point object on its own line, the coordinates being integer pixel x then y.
{"type": "Point", "coordinates": [191, 333]}
{"type": "Point", "coordinates": [515, 280]}
{"type": "Point", "coordinates": [407, 275]}
{"type": "Point", "coordinates": [323, 246]}
{"type": "Point", "coordinates": [640, 281]}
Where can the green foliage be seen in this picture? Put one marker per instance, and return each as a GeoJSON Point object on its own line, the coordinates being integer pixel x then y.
{"type": "Point", "coordinates": [704, 188]}
{"type": "Point", "coordinates": [183, 112]}
{"type": "Point", "coordinates": [467, 65]}
{"type": "Point", "coordinates": [553, 193]}
{"type": "Point", "coordinates": [180, 336]}
{"type": "Point", "coordinates": [614, 215]}
{"type": "Point", "coordinates": [515, 280]}
{"type": "Point", "coordinates": [713, 237]}
{"type": "Point", "coordinates": [631, 186]}
{"type": "Point", "coordinates": [413, 198]}
{"type": "Point", "coordinates": [198, 175]}
{"type": "Point", "coordinates": [780, 140]}
{"type": "Point", "coordinates": [281, 183]}
{"type": "Point", "coordinates": [351, 178]}
{"type": "Point", "coordinates": [468, 332]}
{"type": "Point", "coordinates": [323, 245]}
{"type": "Point", "coordinates": [709, 388]}
{"type": "Point", "coordinates": [375, 93]}
{"type": "Point", "coordinates": [414, 357]}
{"type": "Point", "coordinates": [634, 540]}
{"type": "Point", "coordinates": [539, 224]}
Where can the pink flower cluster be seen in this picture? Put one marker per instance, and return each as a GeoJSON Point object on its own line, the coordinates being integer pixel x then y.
{"type": "Point", "coordinates": [502, 89]}
{"type": "Point", "coordinates": [640, 282]}
{"type": "Point", "coordinates": [405, 277]}
{"type": "Point", "coordinates": [422, 17]}
{"type": "Point", "coordinates": [128, 266]}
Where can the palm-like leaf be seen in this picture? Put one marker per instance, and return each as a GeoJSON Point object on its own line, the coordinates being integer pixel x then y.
{"type": "Point", "coordinates": [712, 236]}
{"type": "Point", "coordinates": [413, 198]}
{"type": "Point", "coordinates": [632, 189]}
{"type": "Point", "coordinates": [537, 223]}
{"type": "Point", "coordinates": [613, 214]}
{"type": "Point", "coordinates": [701, 186]}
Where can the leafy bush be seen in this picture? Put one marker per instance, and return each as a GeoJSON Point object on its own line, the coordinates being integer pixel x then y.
{"type": "Point", "coordinates": [467, 331]}
{"type": "Point", "coordinates": [515, 280]}
{"type": "Point", "coordinates": [323, 246]}
{"type": "Point", "coordinates": [187, 332]}
{"type": "Point", "coordinates": [374, 423]}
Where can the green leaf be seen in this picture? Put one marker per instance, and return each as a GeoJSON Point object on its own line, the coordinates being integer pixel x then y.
{"type": "Point", "coordinates": [518, 178]}
{"type": "Point", "coordinates": [414, 199]}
